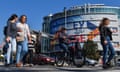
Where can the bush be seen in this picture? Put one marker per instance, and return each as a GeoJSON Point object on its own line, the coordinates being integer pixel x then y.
{"type": "Point", "coordinates": [91, 50]}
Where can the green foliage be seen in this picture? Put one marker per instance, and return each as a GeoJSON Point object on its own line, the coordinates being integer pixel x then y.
{"type": "Point", "coordinates": [91, 50]}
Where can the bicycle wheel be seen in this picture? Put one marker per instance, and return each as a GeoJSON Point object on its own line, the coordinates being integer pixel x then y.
{"type": "Point", "coordinates": [60, 59]}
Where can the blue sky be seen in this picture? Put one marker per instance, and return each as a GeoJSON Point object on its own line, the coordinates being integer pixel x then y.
{"type": "Point", "coordinates": [36, 9]}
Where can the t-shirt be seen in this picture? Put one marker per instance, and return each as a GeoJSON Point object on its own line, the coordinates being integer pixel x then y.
{"type": "Point", "coordinates": [24, 29]}
{"type": "Point", "coordinates": [11, 29]}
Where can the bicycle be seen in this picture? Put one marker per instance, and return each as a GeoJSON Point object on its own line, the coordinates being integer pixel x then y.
{"type": "Point", "coordinates": [71, 57]}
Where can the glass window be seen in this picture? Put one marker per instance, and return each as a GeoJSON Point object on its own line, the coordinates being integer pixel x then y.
{"type": "Point", "coordinates": [92, 10]}
{"type": "Point", "coordinates": [70, 26]}
{"type": "Point", "coordinates": [82, 10]}
{"type": "Point", "coordinates": [73, 18]}
{"type": "Point", "coordinates": [75, 12]}
{"type": "Point", "coordinates": [61, 21]}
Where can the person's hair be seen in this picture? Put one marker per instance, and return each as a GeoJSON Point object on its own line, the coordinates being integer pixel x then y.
{"type": "Point", "coordinates": [12, 17]}
{"type": "Point", "coordinates": [63, 28]}
{"type": "Point", "coordinates": [103, 21]}
{"type": "Point", "coordinates": [57, 32]}
{"type": "Point", "coordinates": [20, 19]}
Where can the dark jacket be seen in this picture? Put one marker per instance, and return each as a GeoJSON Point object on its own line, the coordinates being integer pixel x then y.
{"type": "Point", "coordinates": [11, 29]}
{"type": "Point", "coordinates": [61, 39]}
{"type": "Point", "coordinates": [104, 32]}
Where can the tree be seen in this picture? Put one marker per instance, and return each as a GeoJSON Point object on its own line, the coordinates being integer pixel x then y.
{"type": "Point", "coordinates": [91, 50]}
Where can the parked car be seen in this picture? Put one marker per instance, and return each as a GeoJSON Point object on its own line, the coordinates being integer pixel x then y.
{"type": "Point", "coordinates": [118, 62]}
{"type": "Point", "coordinates": [42, 59]}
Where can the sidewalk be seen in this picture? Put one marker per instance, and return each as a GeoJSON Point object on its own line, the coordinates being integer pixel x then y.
{"type": "Point", "coordinates": [49, 68]}
{"type": "Point", "coordinates": [90, 69]}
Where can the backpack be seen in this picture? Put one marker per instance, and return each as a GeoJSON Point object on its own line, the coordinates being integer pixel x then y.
{"type": "Point", "coordinates": [5, 30]}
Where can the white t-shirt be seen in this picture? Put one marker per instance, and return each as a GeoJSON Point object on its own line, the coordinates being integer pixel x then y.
{"type": "Point", "coordinates": [24, 28]}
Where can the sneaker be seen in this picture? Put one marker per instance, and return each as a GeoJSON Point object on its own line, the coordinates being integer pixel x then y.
{"type": "Point", "coordinates": [105, 66]}
{"type": "Point", "coordinates": [19, 65]}
{"type": "Point", "coordinates": [109, 64]}
{"type": "Point", "coordinates": [66, 64]}
{"type": "Point", "coordinates": [7, 65]}
{"type": "Point", "coordinates": [26, 65]}
{"type": "Point", "coordinates": [31, 65]}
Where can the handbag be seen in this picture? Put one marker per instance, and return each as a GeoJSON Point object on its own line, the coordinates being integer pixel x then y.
{"type": "Point", "coordinates": [20, 37]}
{"type": "Point", "coordinates": [5, 48]}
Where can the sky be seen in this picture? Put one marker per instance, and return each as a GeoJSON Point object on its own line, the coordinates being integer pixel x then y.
{"type": "Point", "coordinates": [37, 9]}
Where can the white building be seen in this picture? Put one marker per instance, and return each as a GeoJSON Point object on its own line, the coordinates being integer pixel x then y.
{"type": "Point", "coordinates": [82, 21]}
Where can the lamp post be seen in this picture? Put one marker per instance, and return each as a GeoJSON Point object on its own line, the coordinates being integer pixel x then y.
{"type": "Point", "coordinates": [65, 11]}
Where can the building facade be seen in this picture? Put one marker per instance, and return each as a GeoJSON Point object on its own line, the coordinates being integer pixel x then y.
{"type": "Point", "coordinates": [82, 22]}
{"type": "Point", "coordinates": [46, 29]}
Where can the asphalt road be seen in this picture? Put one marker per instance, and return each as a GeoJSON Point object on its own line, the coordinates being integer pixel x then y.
{"type": "Point", "coordinates": [48, 68]}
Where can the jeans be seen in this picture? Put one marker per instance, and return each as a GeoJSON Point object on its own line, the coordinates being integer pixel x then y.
{"type": "Point", "coordinates": [22, 49]}
{"type": "Point", "coordinates": [64, 47]}
{"type": "Point", "coordinates": [11, 50]}
{"type": "Point", "coordinates": [106, 48]}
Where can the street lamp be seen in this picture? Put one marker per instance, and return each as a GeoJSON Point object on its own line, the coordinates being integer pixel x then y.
{"type": "Point", "coordinates": [65, 11]}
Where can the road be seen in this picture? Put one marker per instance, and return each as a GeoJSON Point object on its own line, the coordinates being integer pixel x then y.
{"type": "Point", "coordinates": [48, 68]}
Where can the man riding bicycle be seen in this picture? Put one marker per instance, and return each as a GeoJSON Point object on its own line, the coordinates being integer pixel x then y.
{"type": "Point", "coordinates": [63, 40]}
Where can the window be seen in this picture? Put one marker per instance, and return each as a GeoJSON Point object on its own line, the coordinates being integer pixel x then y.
{"type": "Point", "coordinates": [75, 11]}
{"type": "Point", "coordinates": [61, 21]}
{"type": "Point", "coordinates": [70, 26]}
{"type": "Point", "coordinates": [92, 10]}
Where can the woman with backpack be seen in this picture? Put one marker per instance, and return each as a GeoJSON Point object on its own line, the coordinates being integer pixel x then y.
{"type": "Point", "coordinates": [11, 37]}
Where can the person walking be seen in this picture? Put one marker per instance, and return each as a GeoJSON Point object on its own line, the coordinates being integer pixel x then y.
{"type": "Point", "coordinates": [11, 38]}
{"type": "Point", "coordinates": [106, 38]}
{"type": "Point", "coordinates": [23, 36]}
